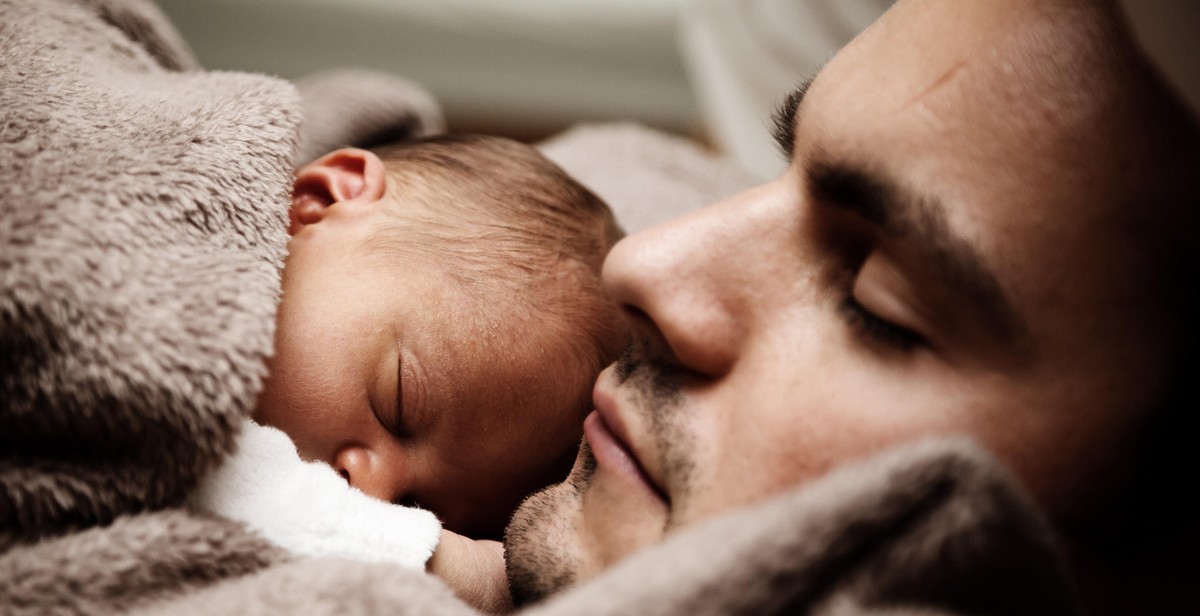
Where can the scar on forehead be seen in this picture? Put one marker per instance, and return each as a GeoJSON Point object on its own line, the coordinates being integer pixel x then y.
{"type": "Point", "coordinates": [942, 79]}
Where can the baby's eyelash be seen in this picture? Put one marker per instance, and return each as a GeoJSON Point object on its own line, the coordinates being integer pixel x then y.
{"type": "Point", "coordinates": [877, 328]}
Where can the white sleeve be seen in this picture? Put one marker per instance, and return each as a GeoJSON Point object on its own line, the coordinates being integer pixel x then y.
{"type": "Point", "coordinates": [307, 508]}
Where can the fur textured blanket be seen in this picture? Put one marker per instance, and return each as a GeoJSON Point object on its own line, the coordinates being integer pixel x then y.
{"type": "Point", "coordinates": [142, 233]}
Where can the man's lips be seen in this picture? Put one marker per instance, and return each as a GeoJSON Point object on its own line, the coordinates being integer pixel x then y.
{"type": "Point", "coordinates": [606, 435]}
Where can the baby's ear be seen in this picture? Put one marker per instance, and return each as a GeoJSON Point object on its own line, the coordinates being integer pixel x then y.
{"type": "Point", "coordinates": [349, 175]}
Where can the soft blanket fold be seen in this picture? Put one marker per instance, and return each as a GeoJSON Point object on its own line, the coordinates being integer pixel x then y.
{"type": "Point", "coordinates": [142, 232]}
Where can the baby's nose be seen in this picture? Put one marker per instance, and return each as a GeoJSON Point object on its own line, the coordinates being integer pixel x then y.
{"type": "Point", "coordinates": [368, 473]}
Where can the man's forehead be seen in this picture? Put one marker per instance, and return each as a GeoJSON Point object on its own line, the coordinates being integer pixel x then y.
{"type": "Point", "coordinates": [950, 90]}
{"type": "Point", "coordinates": [1037, 50]}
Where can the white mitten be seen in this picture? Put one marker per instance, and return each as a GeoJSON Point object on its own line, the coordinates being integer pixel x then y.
{"type": "Point", "coordinates": [306, 507]}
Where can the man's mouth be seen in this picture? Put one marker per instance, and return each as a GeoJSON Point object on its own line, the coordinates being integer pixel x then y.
{"type": "Point", "coordinates": [610, 446]}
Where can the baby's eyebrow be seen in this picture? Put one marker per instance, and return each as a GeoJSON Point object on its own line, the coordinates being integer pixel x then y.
{"type": "Point", "coordinates": [783, 121]}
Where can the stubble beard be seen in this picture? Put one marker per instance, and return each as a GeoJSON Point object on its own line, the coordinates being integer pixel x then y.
{"type": "Point", "coordinates": [542, 550]}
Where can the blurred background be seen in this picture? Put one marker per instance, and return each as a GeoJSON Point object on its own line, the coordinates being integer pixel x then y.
{"type": "Point", "coordinates": [529, 67]}
{"type": "Point", "coordinates": [712, 70]}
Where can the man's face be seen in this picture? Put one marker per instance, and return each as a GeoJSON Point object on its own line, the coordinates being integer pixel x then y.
{"type": "Point", "coordinates": [946, 254]}
{"type": "Point", "coordinates": [417, 385]}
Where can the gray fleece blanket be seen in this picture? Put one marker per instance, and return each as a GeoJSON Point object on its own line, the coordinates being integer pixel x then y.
{"type": "Point", "coordinates": [142, 232]}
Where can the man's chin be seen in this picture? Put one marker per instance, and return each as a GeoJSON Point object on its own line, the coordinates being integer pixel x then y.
{"type": "Point", "coordinates": [541, 548]}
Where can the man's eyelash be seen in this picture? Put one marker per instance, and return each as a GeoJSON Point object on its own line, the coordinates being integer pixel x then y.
{"type": "Point", "coordinates": [783, 121]}
{"type": "Point", "coordinates": [879, 329]}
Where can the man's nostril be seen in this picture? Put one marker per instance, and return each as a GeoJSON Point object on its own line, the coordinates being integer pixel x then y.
{"type": "Point", "coordinates": [345, 474]}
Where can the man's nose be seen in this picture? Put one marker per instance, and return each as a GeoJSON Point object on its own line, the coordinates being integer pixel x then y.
{"type": "Point", "coordinates": [376, 474]}
{"type": "Point", "coordinates": [692, 280]}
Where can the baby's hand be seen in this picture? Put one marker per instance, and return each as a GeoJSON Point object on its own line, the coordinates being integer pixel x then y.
{"type": "Point", "coordinates": [474, 570]}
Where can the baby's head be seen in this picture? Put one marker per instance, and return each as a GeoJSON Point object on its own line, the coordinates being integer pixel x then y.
{"type": "Point", "coordinates": [442, 323]}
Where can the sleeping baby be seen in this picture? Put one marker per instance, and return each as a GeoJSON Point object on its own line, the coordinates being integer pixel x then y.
{"type": "Point", "coordinates": [441, 326]}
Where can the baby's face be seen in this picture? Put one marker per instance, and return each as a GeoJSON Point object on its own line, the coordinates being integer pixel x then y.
{"type": "Point", "coordinates": [413, 391]}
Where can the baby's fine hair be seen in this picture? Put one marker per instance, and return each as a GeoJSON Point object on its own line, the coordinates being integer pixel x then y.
{"type": "Point", "coordinates": [498, 216]}
{"type": "Point", "coordinates": [479, 198]}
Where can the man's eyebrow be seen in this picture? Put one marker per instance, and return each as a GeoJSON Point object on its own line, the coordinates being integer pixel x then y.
{"type": "Point", "coordinates": [783, 121]}
{"type": "Point", "coordinates": [898, 212]}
